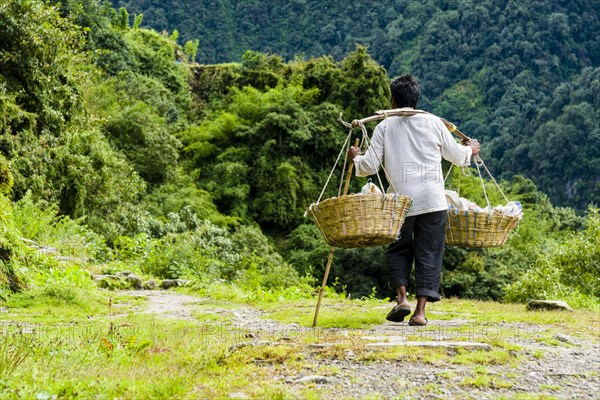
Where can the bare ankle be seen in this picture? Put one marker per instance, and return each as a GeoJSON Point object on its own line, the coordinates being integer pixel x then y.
{"type": "Point", "coordinates": [403, 302]}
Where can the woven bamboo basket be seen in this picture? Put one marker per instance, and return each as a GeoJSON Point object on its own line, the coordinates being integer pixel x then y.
{"type": "Point", "coordinates": [479, 229]}
{"type": "Point", "coordinates": [360, 220]}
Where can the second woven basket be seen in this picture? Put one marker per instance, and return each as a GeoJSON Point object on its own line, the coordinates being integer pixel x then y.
{"type": "Point", "coordinates": [479, 229]}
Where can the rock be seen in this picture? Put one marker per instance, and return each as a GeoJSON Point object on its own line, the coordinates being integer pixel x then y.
{"type": "Point", "coordinates": [134, 281]}
{"type": "Point", "coordinates": [4, 310]}
{"type": "Point", "coordinates": [109, 281]}
{"type": "Point", "coordinates": [320, 345]}
{"type": "Point", "coordinates": [548, 305]}
{"type": "Point", "coordinates": [394, 341]}
{"type": "Point", "coordinates": [124, 273]}
{"type": "Point", "coordinates": [313, 379]}
{"type": "Point", "coordinates": [565, 338]}
{"type": "Point", "coordinates": [106, 276]}
{"type": "Point", "coordinates": [169, 283]}
{"type": "Point", "coordinates": [150, 284]}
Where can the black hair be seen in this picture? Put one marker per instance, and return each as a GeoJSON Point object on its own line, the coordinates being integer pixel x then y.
{"type": "Point", "coordinates": [405, 91]}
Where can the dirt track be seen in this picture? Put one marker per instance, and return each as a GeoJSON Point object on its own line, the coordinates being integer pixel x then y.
{"type": "Point", "coordinates": [566, 371]}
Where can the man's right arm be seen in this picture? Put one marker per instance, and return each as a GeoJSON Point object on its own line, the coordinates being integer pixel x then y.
{"type": "Point", "coordinates": [454, 152]}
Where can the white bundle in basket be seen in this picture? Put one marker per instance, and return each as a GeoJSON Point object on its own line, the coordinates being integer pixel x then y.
{"type": "Point", "coordinates": [469, 225]}
{"type": "Point", "coordinates": [457, 204]}
{"type": "Point", "coordinates": [369, 188]}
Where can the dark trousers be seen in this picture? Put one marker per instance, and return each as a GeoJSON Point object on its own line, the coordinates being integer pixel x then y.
{"type": "Point", "coordinates": [422, 242]}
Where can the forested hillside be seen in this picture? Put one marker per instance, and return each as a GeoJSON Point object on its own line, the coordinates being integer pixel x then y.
{"type": "Point", "coordinates": [521, 76]}
{"type": "Point", "coordinates": [153, 242]}
{"type": "Point", "coordinates": [113, 139]}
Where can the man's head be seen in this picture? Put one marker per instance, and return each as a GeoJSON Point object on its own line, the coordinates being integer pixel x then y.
{"type": "Point", "coordinates": [405, 91]}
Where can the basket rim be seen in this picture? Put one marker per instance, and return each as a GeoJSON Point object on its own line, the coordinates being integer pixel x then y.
{"type": "Point", "coordinates": [396, 196]}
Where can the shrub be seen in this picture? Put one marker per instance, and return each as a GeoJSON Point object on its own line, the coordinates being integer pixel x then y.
{"type": "Point", "coordinates": [358, 271]}
{"type": "Point", "coordinates": [568, 269]}
{"type": "Point", "coordinates": [6, 179]}
{"type": "Point", "coordinates": [69, 238]}
{"type": "Point", "coordinates": [210, 253]}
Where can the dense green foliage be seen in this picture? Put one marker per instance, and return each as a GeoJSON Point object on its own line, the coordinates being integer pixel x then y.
{"type": "Point", "coordinates": [570, 268]}
{"type": "Point", "coordinates": [54, 148]}
{"type": "Point", "coordinates": [264, 154]}
{"type": "Point", "coordinates": [521, 76]}
{"type": "Point", "coordinates": [115, 146]}
{"type": "Point", "coordinates": [19, 264]}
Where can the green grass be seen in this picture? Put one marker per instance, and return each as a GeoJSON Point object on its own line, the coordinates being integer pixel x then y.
{"type": "Point", "coordinates": [333, 313]}
{"type": "Point", "coordinates": [131, 358]}
{"type": "Point", "coordinates": [57, 305]}
{"type": "Point", "coordinates": [492, 357]}
{"type": "Point", "coordinates": [501, 325]}
{"type": "Point", "coordinates": [97, 345]}
{"type": "Point", "coordinates": [486, 381]}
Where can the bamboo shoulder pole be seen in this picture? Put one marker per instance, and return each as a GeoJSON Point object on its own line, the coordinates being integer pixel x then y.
{"type": "Point", "coordinates": [383, 114]}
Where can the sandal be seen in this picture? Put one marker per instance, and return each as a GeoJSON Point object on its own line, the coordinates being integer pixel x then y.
{"type": "Point", "coordinates": [398, 313]}
{"type": "Point", "coordinates": [412, 322]}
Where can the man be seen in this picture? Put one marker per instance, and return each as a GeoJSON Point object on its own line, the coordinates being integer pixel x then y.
{"type": "Point", "coordinates": [412, 149]}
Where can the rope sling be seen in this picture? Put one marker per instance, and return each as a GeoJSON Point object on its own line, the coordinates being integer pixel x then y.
{"type": "Point", "coordinates": [362, 220]}
{"type": "Point", "coordinates": [376, 219]}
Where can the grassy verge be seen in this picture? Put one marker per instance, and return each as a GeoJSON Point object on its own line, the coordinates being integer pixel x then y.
{"type": "Point", "coordinates": [484, 319]}
{"type": "Point", "coordinates": [97, 344]}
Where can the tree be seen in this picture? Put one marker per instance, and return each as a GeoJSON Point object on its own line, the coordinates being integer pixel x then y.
{"type": "Point", "coordinates": [122, 20]}
{"type": "Point", "coordinates": [191, 48]}
{"type": "Point", "coordinates": [137, 21]}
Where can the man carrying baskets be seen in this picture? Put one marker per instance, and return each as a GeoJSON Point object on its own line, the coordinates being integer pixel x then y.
{"type": "Point", "coordinates": [412, 149]}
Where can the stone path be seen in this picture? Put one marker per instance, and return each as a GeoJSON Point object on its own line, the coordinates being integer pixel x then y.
{"type": "Point", "coordinates": [567, 371]}
{"type": "Point", "coordinates": [166, 304]}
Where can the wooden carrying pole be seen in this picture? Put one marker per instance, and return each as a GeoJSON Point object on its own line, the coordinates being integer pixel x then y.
{"type": "Point", "coordinates": [331, 249]}
{"type": "Point", "coordinates": [382, 114]}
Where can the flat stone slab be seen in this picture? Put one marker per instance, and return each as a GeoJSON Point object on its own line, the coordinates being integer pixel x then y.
{"type": "Point", "coordinates": [548, 305]}
{"type": "Point", "coordinates": [395, 341]}
{"type": "Point", "coordinates": [313, 379]}
{"type": "Point", "coordinates": [565, 338]}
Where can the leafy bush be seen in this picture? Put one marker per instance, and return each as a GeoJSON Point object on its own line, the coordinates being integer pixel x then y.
{"type": "Point", "coordinates": [358, 272]}
{"type": "Point", "coordinates": [18, 262]}
{"type": "Point", "coordinates": [11, 275]}
{"type": "Point", "coordinates": [306, 250]}
{"type": "Point", "coordinates": [70, 285]}
{"type": "Point", "coordinates": [210, 253]}
{"type": "Point", "coordinates": [568, 269]}
{"type": "Point", "coordinates": [181, 198]}
{"type": "Point", "coordinates": [67, 237]}
{"type": "Point", "coordinates": [6, 179]}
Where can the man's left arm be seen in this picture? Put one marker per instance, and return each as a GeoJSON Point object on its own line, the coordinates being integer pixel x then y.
{"type": "Point", "coordinates": [455, 153]}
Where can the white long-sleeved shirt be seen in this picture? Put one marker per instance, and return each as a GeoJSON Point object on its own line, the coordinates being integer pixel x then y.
{"type": "Point", "coordinates": [411, 150]}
